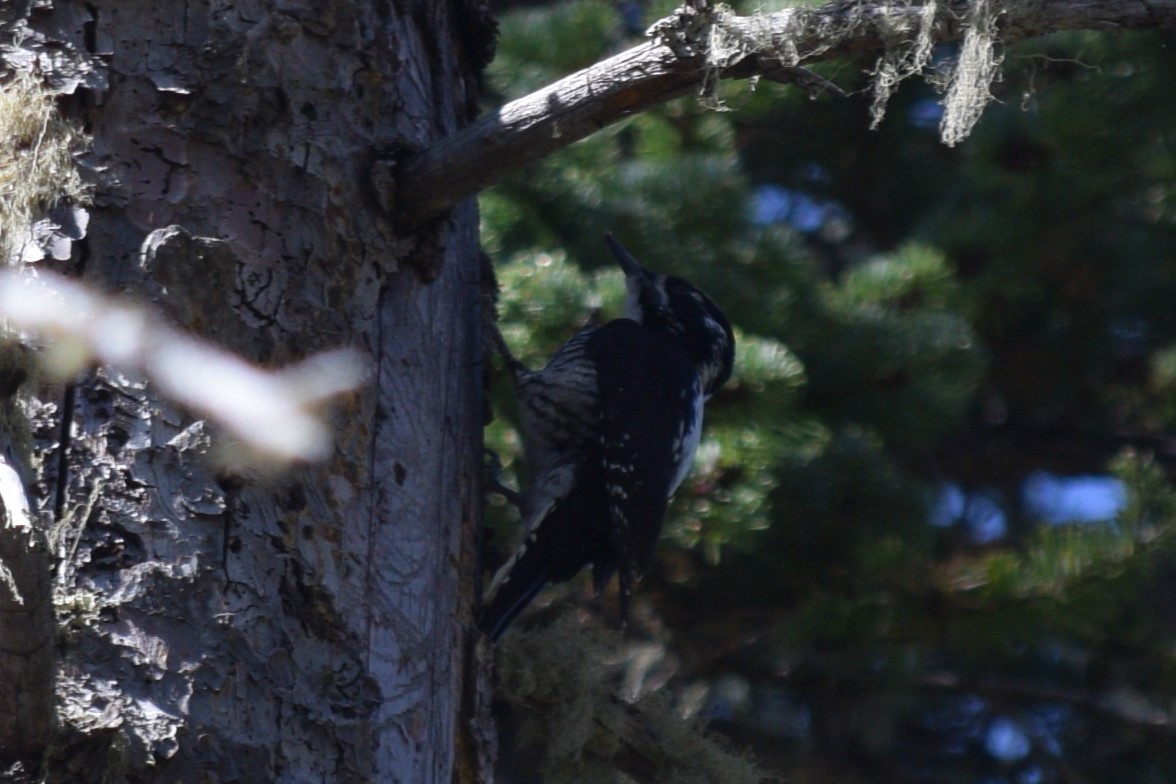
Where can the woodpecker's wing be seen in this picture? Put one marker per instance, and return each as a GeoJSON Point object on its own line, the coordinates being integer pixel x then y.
{"type": "Point", "coordinates": [512, 591]}
{"type": "Point", "coordinates": [563, 505]}
{"type": "Point", "coordinates": [622, 447]}
{"type": "Point", "coordinates": [559, 422]}
{"type": "Point", "coordinates": [650, 421]}
{"type": "Point", "coordinates": [569, 536]}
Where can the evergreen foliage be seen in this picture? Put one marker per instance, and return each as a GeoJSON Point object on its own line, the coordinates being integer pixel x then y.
{"type": "Point", "coordinates": [857, 575]}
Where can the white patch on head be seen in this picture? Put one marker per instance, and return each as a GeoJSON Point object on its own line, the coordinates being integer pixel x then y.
{"type": "Point", "coordinates": [633, 299]}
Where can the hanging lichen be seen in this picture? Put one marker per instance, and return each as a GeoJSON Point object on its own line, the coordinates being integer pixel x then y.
{"type": "Point", "coordinates": [561, 683]}
{"type": "Point", "coordinates": [908, 30]}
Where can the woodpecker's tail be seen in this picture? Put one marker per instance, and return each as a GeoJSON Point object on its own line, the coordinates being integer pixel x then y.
{"type": "Point", "coordinates": [517, 583]}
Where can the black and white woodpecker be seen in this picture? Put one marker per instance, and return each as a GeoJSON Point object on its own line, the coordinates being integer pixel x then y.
{"type": "Point", "coordinates": [609, 430]}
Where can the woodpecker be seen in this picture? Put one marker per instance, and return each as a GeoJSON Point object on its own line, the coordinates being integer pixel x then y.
{"type": "Point", "coordinates": [609, 428]}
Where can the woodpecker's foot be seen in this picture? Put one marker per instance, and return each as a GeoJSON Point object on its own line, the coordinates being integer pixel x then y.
{"type": "Point", "coordinates": [494, 478]}
{"type": "Point", "coordinates": [499, 343]}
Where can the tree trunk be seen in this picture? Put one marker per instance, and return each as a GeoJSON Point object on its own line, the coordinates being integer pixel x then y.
{"type": "Point", "coordinates": [26, 619]}
{"type": "Point", "coordinates": [307, 625]}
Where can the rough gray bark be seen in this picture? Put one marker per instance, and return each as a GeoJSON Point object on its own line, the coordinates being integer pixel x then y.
{"type": "Point", "coordinates": [308, 626]}
{"type": "Point", "coordinates": [681, 58]}
{"type": "Point", "coordinates": [26, 621]}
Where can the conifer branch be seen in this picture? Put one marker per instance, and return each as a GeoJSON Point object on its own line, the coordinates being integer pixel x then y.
{"type": "Point", "coordinates": [697, 46]}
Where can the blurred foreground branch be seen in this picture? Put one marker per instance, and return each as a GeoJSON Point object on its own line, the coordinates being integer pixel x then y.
{"type": "Point", "coordinates": [272, 412]}
{"type": "Point", "coordinates": [692, 50]}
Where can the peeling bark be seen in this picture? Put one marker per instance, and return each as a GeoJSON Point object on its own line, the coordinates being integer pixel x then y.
{"type": "Point", "coordinates": [308, 626]}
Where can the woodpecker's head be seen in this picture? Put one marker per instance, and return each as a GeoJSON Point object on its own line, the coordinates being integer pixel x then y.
{"type": "Point", "coordinates": [671, 304]}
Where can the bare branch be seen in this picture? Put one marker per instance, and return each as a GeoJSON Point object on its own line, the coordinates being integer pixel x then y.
{"type": "Point", "coordinates": [691, 50]}
{"type": "Point", "coordinates": [273, 412]}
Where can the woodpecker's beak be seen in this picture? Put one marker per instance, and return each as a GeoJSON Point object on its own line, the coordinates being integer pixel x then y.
{"type": "Point", "coordinates": [630, 265]}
